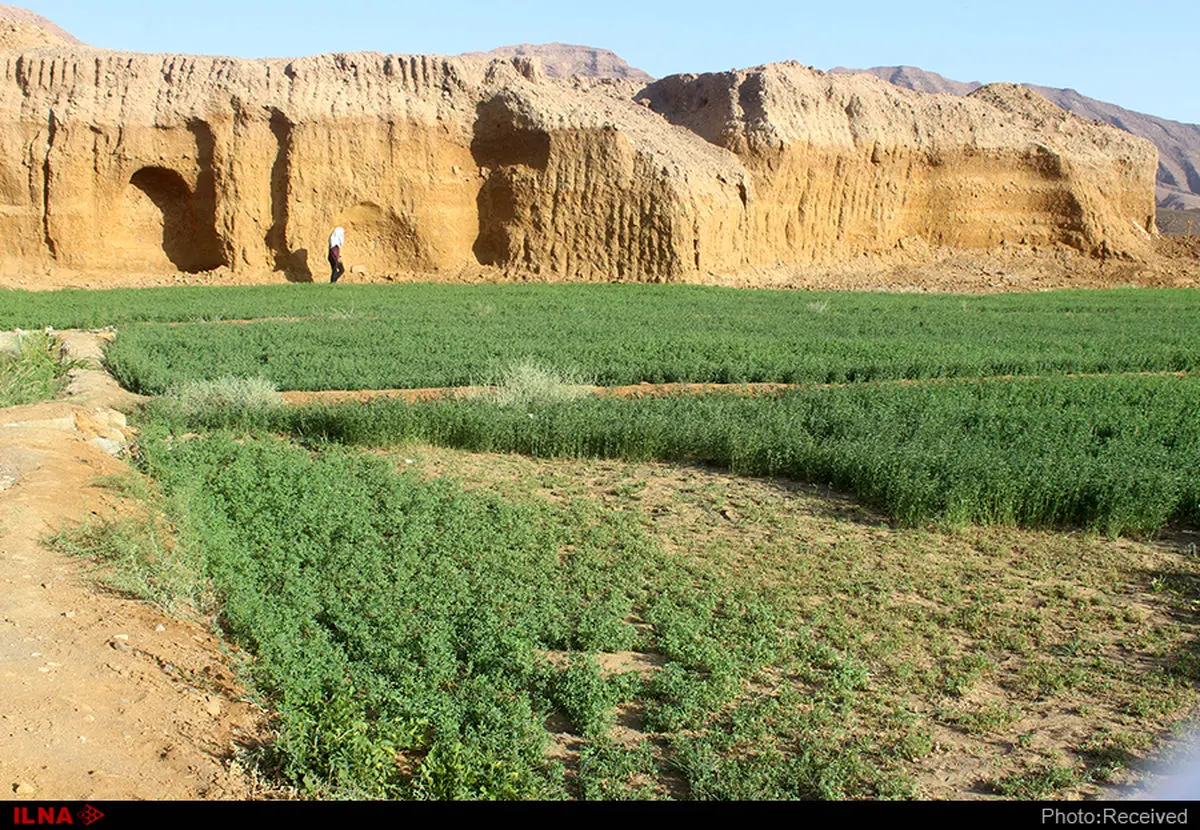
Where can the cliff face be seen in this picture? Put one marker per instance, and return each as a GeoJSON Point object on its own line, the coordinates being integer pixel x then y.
{"type": "Point", "coordinates": [157, 164]}
{"type": "Point", "coordinates": [845, 164]}
{"type": "Point", "coordinates": [1178, 143]}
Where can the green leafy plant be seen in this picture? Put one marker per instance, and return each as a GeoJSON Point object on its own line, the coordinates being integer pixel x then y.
{"type": "Point", "coordinates": [1045, 782]}
{"type": "Point", "coordinates": [35, 373]}
{"type": "Point", "coordinates": [584, 696]}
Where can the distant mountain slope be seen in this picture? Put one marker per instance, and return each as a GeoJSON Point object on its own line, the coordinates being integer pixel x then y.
{"type": "Point", "coordinates": [561, 60]}
{"type": "Point", "coordinates": [23, 29]}
{"type": "Point", "coordinates": [1179, 222]}
{"type": "Point", "coordinates": [912, 77]}
{"type": "Point", "coordinates": [1178, 143]}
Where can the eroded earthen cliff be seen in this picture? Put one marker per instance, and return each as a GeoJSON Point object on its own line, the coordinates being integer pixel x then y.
{"type": "Point", "coordinates": [844, 164]}
{"type": "Point", "coordinates": [158, 163]}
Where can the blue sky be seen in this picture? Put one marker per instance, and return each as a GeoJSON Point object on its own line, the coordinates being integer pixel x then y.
{"type": "Point", "coordinates": [1102, 49]}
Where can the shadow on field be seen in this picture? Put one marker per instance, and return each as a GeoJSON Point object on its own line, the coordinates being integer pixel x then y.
{"type": "Point", "coordinates": [826, 502]}
{"type": "Point", "coordinates": [1178, 593]}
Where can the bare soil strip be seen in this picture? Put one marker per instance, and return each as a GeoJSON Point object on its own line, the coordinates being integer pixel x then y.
{"type": "Point", "coordinates": [105, 697]}
{"type": "Point", "coordinates": [233, 321]}
{"type": "Point", "coordinates": [655, 390]}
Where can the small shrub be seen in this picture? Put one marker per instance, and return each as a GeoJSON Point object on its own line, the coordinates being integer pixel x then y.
{"type": "Point", "coordinates": [1109, 753]}
{"type": "Point", "coordinates": [916, 744]}
{"type": "Point", "coordinates": [584, 697]}
{"type": "Point", "coordinates": [35, 374]}
{"type": "Point", "coordinates": [959, 676]}
{"type": "Point", "coordinates": [529, 382]}
{"type": "Point", "coordinates": [225, 402]}
{"type": "Point", "coordinates": [992, 718]}
{"type": "Point", "coordinates": [1043, 678]}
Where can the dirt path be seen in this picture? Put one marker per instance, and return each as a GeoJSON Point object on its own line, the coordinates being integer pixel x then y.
{"type": "Point", "coordinates": [90, 383]}
{"type": "Point", "coordinates": [105, 697]}
{"type": "Point", "coordinates": [658, 390]}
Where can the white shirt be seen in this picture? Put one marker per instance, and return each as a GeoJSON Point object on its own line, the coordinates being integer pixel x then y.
{"type": "Point", "coordinates": [337, 237]}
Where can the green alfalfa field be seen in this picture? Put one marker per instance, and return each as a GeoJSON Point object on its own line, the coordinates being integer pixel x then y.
{"type": "Point", "coordinates": [956, 560]}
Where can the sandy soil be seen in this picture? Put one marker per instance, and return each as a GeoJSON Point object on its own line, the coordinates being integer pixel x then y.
{"type": "Point", "coordinates": [105, 697]}
{"type": "Point", "coordinates": [1174, 263]}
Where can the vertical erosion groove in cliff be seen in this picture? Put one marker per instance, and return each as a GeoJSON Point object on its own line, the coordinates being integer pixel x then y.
{"type": "Point", "coordinates": [156, 164]}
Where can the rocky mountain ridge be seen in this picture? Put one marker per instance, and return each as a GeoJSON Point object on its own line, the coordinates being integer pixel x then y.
{"type": "Point", "coordinates": [562, 60]}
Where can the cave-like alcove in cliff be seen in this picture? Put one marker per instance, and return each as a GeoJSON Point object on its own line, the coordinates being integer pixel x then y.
{"type": "Point", "coordinates": [190, 243]}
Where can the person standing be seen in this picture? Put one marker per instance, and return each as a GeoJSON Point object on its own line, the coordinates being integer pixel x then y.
{"type": "Point", "coordinates": [336, 240]}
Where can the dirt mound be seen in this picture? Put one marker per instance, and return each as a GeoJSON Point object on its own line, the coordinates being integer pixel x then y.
{"type": "Point", "coordinates": [1178, 143]}
{"type": "Point", "coordinates": [161, 164]}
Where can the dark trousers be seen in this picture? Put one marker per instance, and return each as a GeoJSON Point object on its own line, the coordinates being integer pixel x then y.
{"type": "Point", "coordinates": [335, 265]}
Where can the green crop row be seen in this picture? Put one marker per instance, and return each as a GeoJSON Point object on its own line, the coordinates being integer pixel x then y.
{"type": "Point", "coordinates": [1117, 455]}
{"type": "Point", "coordinates": [458, 335]}
{"type": "Point", "coordinates": [401, 628]}
{"type": "Point", "coordinates": [531, 306]}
